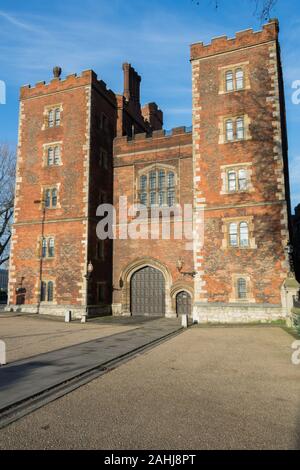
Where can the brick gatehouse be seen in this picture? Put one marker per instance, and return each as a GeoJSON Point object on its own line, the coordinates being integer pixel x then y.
{"type": "Point", "coordinates": [82, 145]}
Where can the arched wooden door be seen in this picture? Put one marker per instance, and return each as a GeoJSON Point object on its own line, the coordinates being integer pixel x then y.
{"type": "Point", "coordinates": [183, 303]}
{"type": "Point", "coordinates": [147, 292]}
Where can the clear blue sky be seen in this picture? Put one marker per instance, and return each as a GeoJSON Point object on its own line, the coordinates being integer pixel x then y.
{"type": "Point", "coordinates": [154, 35]}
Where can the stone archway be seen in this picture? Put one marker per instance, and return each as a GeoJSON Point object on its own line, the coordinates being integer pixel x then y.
{"type": "Point", "coordinates": [125, 281]}
{"type": "Point", "coordinates": [147, 292]}
{"type": "Point", "coordinates": [184, 303]}
{"type": "Point", "coordinates": [178, 288]}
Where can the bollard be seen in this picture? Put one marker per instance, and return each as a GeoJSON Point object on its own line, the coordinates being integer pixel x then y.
{"type": "Point", "coordinates": [2, 353]}
{"type": "Point", "coordinates": [184, 321]}
{"type": "Point", "coordinates": [83, 318]}
{"type": "Point", "coordinates": [68, 316]}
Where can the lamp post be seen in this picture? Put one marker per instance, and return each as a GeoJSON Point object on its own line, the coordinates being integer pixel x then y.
{"type": "Point", "coordinates": [179, 266]}
{"type": "Point", "coordinates": [43, 203]}
{"type": "Point", "coordinates": [90, 269]}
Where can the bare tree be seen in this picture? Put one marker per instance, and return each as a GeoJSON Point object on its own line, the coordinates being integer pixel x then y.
{"type": "Point", "coordinates": [262, 8]}
{"type": "Point", "coordinates": [7, 182]}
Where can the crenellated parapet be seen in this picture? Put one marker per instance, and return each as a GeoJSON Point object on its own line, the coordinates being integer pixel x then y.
{"type": "Point", "coordinates": [242, 39]}
{"type": "Point", "coordinates": [179, 136]}
{"type": "Point", "coordinates": [86, 78]}
{"type": "Point", "coordinates": [155, 135]}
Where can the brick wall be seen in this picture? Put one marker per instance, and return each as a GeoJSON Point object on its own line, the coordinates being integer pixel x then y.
{"type": "Point", "coordinates": [265, 203]}
{"type": "Point", "coordinates": [130, 158]}
{"type": "Point", "coordinates": [90, 116]}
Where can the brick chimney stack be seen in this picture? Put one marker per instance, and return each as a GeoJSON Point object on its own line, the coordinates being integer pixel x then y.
{"type": "Point", "coordinates": [132, 82]}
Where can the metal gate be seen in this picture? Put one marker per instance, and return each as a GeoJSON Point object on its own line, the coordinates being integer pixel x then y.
{"type": "Point", "coordinates": [183, 303]}
{"type": "Point", "coordinates": [147, 292]}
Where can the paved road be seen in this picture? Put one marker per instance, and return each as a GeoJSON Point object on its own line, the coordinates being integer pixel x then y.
{"type": "Point", "coordinates": [207, 388]}
{"type": "Point", "coordinates": [23, 379]}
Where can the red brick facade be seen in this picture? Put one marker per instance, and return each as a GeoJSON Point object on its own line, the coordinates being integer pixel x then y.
{"type": "Point", "coordinates": [232, 168]}
{"type": "Point", "coordinates": [261, 153]}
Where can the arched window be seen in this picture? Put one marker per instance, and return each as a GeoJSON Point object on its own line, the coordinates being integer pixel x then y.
{"type": "Point", "coordinates": [229, 81]}
{"type": "Point", "coordinates": [229, 130]}
{"type": "Point", "coordinates": [161, 188]}
{"type": "Point", "coordinates": [244, 234]}
{"type": "Point", "coordinates": [152, 182]}
{"type": "Point", "coordinates": [56, 156]}
{"type": "Point", "coordinates": [43, 291]}
{"type": "Point", "coordinates": [240, 131]}
{"type": "Point", "coordinates": [51, 248]}
{"type": "Point", "coordinates": [44, 248]}
{"type": "Point", "coordinates": [242, 288]}
{"type": "Point", "coordinates": [50, 291]}
{"type": "Point", "coordinates": [50, 159]}
{"type": "Point", "coordinates": [242, 180]}
{"type": "Point", "coordinates": [143, 190]}
{"type": "Point", "coordinates": [171, 179]}
{"type": "Point", "coordinates": [232, 181]}
{"type": "Point", "coordinates": [51, 118]}
{"type": "Point", "coordinates": [54, 197]}
{"type": "Point", "coordinates": [171, 191]}
{"type": "Point", "coordinates": [47, 198]}
{"type": "Point", "coordinates": [157, 188]}
{"type": "Point", "coordinates": [233, 234]}
{"type": "Point", "coordinates": [47, 291]}
{"type": "Point", "coordinates": [57, 117]}
{"type": "Point", "coordinates": [239, 79]}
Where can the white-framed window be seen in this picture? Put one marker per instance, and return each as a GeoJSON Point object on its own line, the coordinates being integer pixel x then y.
{"type": "Point", "coordinates": [47, 291]}
{"type": "Point", "coordinates": [235, 129]}
{"type": "Point", "coordinates": [48, 247]}
{"type": "Point", "coordinates": [239, 79]}
{"type": "Point", "coordinates": [54, 117]}
{"type": "Point", "coordinates": [157, 187]}
{"type": "Point", "coordinates": [238, 234]}
{"type": "Point", "coordinates": [53, 155]}
{"type": "Point", "coordinates": [56, 155]}
{"type": "Point", "coordinates": [231, 178]}
{"type": "Point", "coordinates": [50, 156]}
{"type": "Point", "coordinates": [51, 118]}
{"type": "Point", "coordinates": [51, 247]}
{"type": "Point", "coordinates": [237, 180]}
{"type": "Point", "coordinates": [234, 79]}
{"type": "Point", "coordinates": [242, 180]}
{"type": "Point", "coordinates": [44, 248]}
{"type": "Point", "coordinates": [244, 234]}
{"type": "Point", "coordinates": [57, 117]}
{"type": "Point", "coordinates": [50, 198]}
{"type": "Point", "coordinates": [229, 130]}
{"type": "Point", "coordinates": [242, 291]}
{"type": "Point", "coordinates": [233, 234]}
{"type": "Point", "coordinates": [240, 129]}
{"type": "Point", "coordinates": [143, 190]}
{"type": "Point", "coordinates": [229, 81]}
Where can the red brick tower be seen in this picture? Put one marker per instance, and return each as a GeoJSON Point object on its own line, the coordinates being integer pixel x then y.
{"type": "Point", "coordinates": [240, 177]}
{"type": "Point", "coordinates": [64, 171]}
